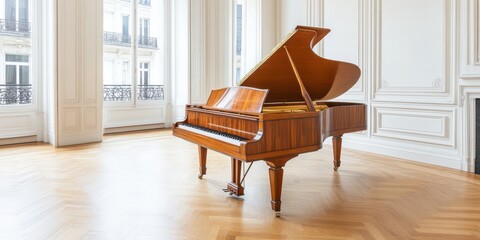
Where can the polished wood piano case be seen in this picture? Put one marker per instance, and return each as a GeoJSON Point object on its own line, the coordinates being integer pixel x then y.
{"type": "Point", "coordinates": [271, 116]}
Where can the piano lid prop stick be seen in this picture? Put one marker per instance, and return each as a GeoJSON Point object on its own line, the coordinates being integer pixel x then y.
{"type": "Point", "coordinates": [305, 95]}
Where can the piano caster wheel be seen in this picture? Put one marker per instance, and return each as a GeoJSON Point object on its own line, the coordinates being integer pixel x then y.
{"type": "Point", "coordinates": [335, 169]}
{"type": "Point", "coordinates": [200, 176]}
{"type": "Point", "coordinates": [230, 193]}
{"type": "Point", "coordinates": [277, 214]}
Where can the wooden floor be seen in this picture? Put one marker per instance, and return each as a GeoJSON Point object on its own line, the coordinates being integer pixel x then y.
{"type": "Point", "coordinates": [144, 186]}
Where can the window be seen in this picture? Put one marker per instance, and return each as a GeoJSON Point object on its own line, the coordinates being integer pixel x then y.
{"type": "Point", "coordinates": [15, 78]}
{"type": "Point", "coordinates": [238, 40]}
{"type": "Point", "coordinates": [16, 15]}
{"type": "Point", "coordinates": [134, 42]}
{"type": "Point", "coordinates": [125, 24]}
{"type": "Point", "coordinates": [119, 47]}
{"type": "Point", "coordinates": [144, 74]}
{"type": "Point", "coordinates": [17, 70]}
{"type": "Point", "coordinates": [126, 73]}
{"type": "Point", "coordinates": [144, 31]}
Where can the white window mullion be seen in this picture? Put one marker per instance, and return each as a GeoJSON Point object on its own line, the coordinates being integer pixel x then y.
{"type": "Point", "coordinates": [134, 52]}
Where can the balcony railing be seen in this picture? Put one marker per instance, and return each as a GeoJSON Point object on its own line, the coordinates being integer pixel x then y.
{"type": "Point", "coordinates": [120, 39]}
{"type": "Point", "coordinates": [150, 92]}
{"type": "Point", "coordinates": [116, 93]}
{"type": "Point", "coordinates": [145, 2]}
{"type": "Point", "coordinates": [142, 2]}
{"type": "Point", "coordinates": [15, 94]}
{"type": "Point", "coordinates": [22, 29]}
{"type": "Point", "coordinates": [125, 40]}
{"type": "Point", "coordinates": [147, 42]}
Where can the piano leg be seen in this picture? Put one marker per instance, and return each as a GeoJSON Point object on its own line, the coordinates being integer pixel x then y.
{"type": "Point", "coordinates": [337, 150]}
{"type": "Point", "coordinates": [276, 180]}
{"type": "Point", "coordinates": [202, 157]}
{"type": "Point", "coordinates": [235, 186]}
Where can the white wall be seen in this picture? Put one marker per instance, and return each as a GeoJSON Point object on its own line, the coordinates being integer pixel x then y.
{"type": "Point", "coordinates": [420, 71]}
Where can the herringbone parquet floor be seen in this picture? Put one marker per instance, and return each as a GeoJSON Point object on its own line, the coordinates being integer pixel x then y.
{"type": "Point", "coordinates": [144, 186]}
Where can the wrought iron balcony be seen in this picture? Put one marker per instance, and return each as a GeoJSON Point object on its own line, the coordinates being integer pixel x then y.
{"type": "Point", "coordinates": [145, 2]}
{"type": "Point", "coordinates": [15, 94]}
{"type": "Point", "coordinates": [147, 42]}
{"type": "Point", "coordinates": [142, 2]}
{"type": "Point", "coordinates": [150, 92]}
{"type": "Point", "coordinates": [116, 93]}
{"type": "Point", "coordinates": [22, 29]}
{"type": "Point", "coordinates": [125, 40]}
{"type": "Point", "coordinates": [119, 39]}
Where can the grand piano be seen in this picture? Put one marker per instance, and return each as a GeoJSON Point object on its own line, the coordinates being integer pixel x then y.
{"type": "Point", "coordinates": [279, 110]}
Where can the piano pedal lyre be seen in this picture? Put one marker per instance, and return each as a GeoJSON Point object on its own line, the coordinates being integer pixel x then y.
{"type": "Point", "coordinates": [235, 187]}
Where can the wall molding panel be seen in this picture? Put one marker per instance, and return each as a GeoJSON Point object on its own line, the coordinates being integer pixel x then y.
{"type": "Point", "coordinates": [470, 39]}
{"type": "Point", "coordinates": [142, 115]}
{"type": "Point", "coordinates": [17, 124]}
{"type": "Point", "coordinates": [342, 25]}
{"type": "Point", "coordinates": [429, 125]}
{"type": "Point", "coordinates": [405, 64]}
{"type": "Point", "coordinates": [79, 77]}
{"type": "Point", "coordinates": [420, 63]}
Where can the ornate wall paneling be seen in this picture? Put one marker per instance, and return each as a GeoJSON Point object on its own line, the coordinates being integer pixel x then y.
{"type": "Point", "coordinates": [427, 125]}
{"type": "Point", "coordinates": [414, 55]}
{"type": "Point", "coordinates": [348, 39]}
{"type": "Point", "coordinates": [17, 124]}
{"type": "Point", "coordinates": [79, 72]}
{"type": "Point", "coordinates": [469, 48]}
{"type": "Point", "coordinates": [469, 18]}
{"type": "Point", "coordinates": [143, 115]}
{"type": "Point", "coordinates": [407, 52]}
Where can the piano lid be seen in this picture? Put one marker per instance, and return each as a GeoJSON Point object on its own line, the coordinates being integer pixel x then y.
{"type": "Point", "coordinates": [323, 79]}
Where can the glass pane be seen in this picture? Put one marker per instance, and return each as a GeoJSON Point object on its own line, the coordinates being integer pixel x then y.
{"type": "Point", "coordinates": [145, 78]}
{"type": "Point", "coordinates": [125, 24]}
{"type": "Point", "coordinates": [109, 21]}
{"type": "Point", "coordinates": [146, 27]}
{"type": "Point", "coordinates": [238, 40]}
{"type": "Point", "coordinates": [149, 41]}
{"type": "Point", "coordinates": [117, 51]}
{"type": "Point", "coordinates": [239, 30]}
{"type": "Point", "coordinates": [24, 75]}
{"type": "Point", "coordinates": [126, 75]}
{"type": "Point", "coordinates": [23, 11]}
{"type": "Point", "coordinates": [15, 82]}
{"type": "Point", "coordinates": [16, 58]}
{"type": "Point", "coordinates": [11, 75]}
{"type": "Point", "coordinates": [108, 72]}
{"type": "Point", "coordinates": [11, 10]}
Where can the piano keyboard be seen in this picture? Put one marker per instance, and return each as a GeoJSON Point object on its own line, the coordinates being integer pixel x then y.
{"type": "Point", "coordinates": [226, 137]}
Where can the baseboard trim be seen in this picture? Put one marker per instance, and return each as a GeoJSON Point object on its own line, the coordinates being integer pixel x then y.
{"type": "Point", "coordinates": [18, 140]}
{"type": "Point", "coordinates": [133, 128]}
{"type": "Point", "coordinates": [406, 154]}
